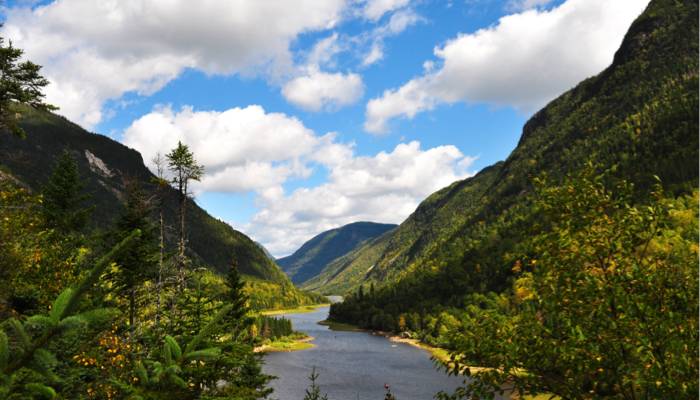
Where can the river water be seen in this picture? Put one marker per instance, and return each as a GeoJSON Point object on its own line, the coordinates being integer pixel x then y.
{"type": "Point", "coordinates": [354, 365]}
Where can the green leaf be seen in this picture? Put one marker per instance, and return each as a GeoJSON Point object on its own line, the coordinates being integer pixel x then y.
{"type": "Point", "coordinates": [24, 339]}
{"type": "Point", "coordinates": [41, 321]}
{"type": "Point", "coordinates": [178, 381]}
{"type": "Point", "coordinates": [173, 347]}
{"type": "Point", "coordinates": [40, 391]}
{"type": "Point", "coordinates": [141, 373]}
{"type": "Point", "coordinates": [72, 323]}
{"type": "Point", "coordinates": [59, 305]}
{"type": "Point", "coordinates": [204, 354]}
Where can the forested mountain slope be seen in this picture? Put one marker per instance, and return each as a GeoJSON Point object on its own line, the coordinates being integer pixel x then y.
{"type": "Point", "coordinates": [315, 254]}
{"type": "Point", "coordinates": [639, 116]}
{"type": "Point", "coordinates": [104, 164]}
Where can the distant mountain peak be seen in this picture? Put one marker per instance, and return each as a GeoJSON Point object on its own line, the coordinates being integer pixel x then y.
{"type": "Point", "coordinates": [319, 251]}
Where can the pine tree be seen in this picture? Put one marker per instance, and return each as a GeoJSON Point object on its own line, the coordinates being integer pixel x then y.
{"type": "Point", "coordinates": [313, 392]}
{"type": "Point", "coordinates": [63, 203]}
{"type": "Point", "coordinates": [137, 261]}
{"type": "Point", "coordinates": [237, 298]}
{"type": "Point", "coordinates": [184, 167]}
{"type": "Point", "coordinates": [20, 82]}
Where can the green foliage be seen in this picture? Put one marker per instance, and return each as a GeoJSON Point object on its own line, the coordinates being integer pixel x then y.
{"type": "Point", "coordinates": [315, 254]}
{"type": "Point", "coordinates": [210, 242]}
{"type": "Point", "coordinates": [272, 327]}
{"type": "Point", "coordinates": [20, 82]}
{"type": "Point", "coordinates": [63, 200]}
{"type": "Point", "coordinates": [30, 366]}
{"type": "Point", "coordinates": [605, 301]}
{"type": "Point", "coordinates": [313, 392]}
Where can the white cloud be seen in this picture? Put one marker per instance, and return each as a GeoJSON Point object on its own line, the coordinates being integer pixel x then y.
{"type": "Point", "coordinates": [248, 149]}
{"type": "Point", "coordinates": [520, 5]}
{"type": "Point", "coordinates": [318, 90]}
{"type": "Point", "coordinates": [375, 54]}
{"type": "Point", "coordinates": [140, 45]}
{"type": "Point", "coordinates": [399, 21]}
{"type": "Point", "coordinates": [242, 149]}
{"type": "Point", "coordinates": [522, 62]}
{"type": "Point", "coordinates": [386, 187]}
{"type": "Point", "coordinates": [375, 9]}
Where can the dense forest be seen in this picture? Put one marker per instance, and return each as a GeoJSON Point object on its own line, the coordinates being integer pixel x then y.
{"type": "Point", "coordinates": [570, 268]}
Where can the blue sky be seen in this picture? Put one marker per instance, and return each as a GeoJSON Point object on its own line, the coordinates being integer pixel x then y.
{"type": "Point", "coordinates": [312, 114]}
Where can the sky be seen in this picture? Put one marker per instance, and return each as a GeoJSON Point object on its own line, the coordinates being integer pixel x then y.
{"type": "Point", "coordinates": [311, 114]}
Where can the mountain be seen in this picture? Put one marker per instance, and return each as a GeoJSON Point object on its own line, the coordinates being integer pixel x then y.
{"type": "Point", "coordinates": [104, 164]}
{"type": "Point", "coordinates": [639, 117]}
{"type": "Point", "coordinates": [325, 247]}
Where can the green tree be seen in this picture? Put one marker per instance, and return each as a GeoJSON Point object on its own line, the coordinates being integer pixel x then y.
{"type": "Point", "coordinates": [236, 297]}
{"type": "Point", "coordinates": [605, 303]}
{"type": "Point", "coordinates": [313, 392]}
{"type": "Point", "coordinates": [27, 367]}
{"type": "Point", "coordinates": [184, 168]}
{"type": "Point", "coordinates": [64, 206]}
{"type": "Point", "coordinates": [20, 82]}
{"type": "Point", "coordinates": [137, 262]}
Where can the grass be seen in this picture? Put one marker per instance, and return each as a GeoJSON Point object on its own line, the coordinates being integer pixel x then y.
{"type": "Point", "coordinates": [294, 342]}
{"type": "Point", "coordinates": [296, 310]}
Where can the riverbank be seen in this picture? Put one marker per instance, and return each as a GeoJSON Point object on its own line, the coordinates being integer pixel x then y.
{"type": "Point", "coordinates": [439, 354]}
{"type": "Point", "coordinates": [286, 344]}
{"type": "Point", "coordinates": [296, 310]}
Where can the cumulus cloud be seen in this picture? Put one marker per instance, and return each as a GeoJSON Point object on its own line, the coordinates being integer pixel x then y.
{"type": "Point", "coordinates": [385, 187]}
{"type": "Point", "coordinates": [139, 46]}
{"type": "Point", "coordinates": [242, 149]}
{"type": "Point", "coordinates": [523, 61]}
{"type": "Point", "coordinates": [318, 90]}
{"type": "Point", "coordinates": [250, 150]}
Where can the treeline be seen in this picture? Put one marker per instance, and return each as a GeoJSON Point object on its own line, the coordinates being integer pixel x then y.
{"type": "Point", "coordinates": [600, 296]}
{"type": "Point", "coordinates": [268, 327]}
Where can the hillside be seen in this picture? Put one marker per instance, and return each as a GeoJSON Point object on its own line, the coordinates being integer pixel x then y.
{"type": "Point", "coordinates": [639, 116]}
{"type": "Point", "coordinates": [322, 249]}
{"type": "Point", "coordinates": [104, 164]}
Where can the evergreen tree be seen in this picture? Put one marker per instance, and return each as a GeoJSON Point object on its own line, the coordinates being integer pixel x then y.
{"type": "Point", "coordinates": [184, 167]}
{"type": "Point", "coordinates": [137, 262]}
{"type": "Point", "coordinates": [237, 298]}
{"type": "Point", "coordinates": [313, 392]}
{"type": "Point", "coordinates": [20, 82]}
{"type": "Point", "coordinates": [63, 203]}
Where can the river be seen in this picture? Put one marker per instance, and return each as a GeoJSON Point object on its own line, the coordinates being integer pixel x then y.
{"type": "Point", "coordinates": [354, 365]}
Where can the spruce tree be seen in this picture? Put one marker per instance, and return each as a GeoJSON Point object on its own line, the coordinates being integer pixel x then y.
{"type": "Point", "coordinates": [137, 261]}
{"type": "Point", "coordinates": [313, 392]}
{"type": "Point", "coordinates": [184, 168]}
{"type": "Point", "coordinates": [20, 82]}
{"type": "Point", "coordinates": [237, 298]}
{"type": "Point", "coordinates": [63, 202]}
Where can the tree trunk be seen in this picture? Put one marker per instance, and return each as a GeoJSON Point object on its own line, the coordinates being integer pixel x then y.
{"type": "Point", "coordinates": [159, 284]}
